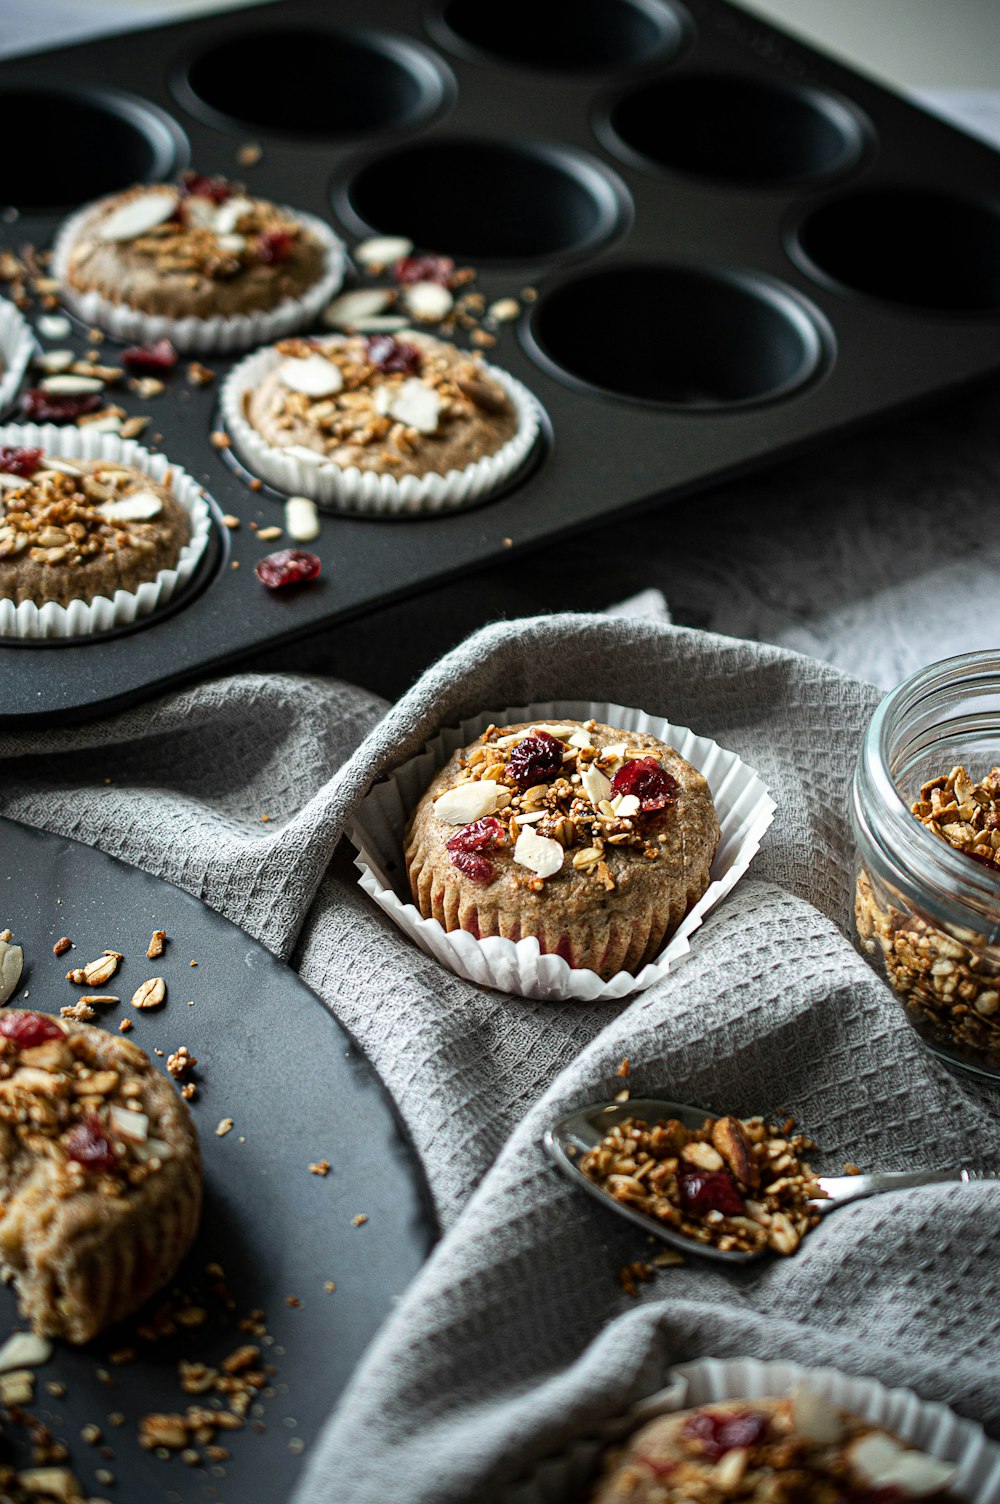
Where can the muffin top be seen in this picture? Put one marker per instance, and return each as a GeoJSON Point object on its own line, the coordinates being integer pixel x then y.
{"type": "Point", "coordinates": [200, 249]}
{"type": "Point", "coordinates": [800, 1450]}
{"type": "Point", "coordinates": [570, 808]}
{"type": "Point", "coordinates": [75, 529]}
{"type": "Point", "coordinates": [82, 1112]}
{"type": "Point", "coordinates": [411, 405]}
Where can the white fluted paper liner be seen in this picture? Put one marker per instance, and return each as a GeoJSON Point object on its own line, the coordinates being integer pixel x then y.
{"type": "Point", "coordinates": [927, 1425]}
{"type": "Point", "coordinates": [83, 618]}
{"type": "Point", "coordinates": [219, 335]}
{"type": "Point", "coordinates": [354, 490]}
{"type": "Point", "coordinates": [17, 346]}
{"type": "Point", "coordinates": [742, 803]}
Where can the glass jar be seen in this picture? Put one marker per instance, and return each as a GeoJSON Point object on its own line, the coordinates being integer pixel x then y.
{"type": "Point", "coordinates": [927, 913]}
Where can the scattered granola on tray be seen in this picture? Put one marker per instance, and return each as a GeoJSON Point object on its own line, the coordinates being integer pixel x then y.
{"type": "Point", "coordinates": [734, 1183]}
{"type": "Point", "coordinates": [798, 1450]}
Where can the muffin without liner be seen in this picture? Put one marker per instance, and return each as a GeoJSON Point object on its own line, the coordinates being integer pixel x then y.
{"type": "Point", "coordinates": [100, 1174]}
{"type": "Point", "coordinates": [594, 840]}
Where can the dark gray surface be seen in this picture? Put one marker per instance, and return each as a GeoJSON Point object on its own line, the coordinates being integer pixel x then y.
{"type": "Point", "coordinates": [275, 1061]}
{"type": "Point", "coordinates": [607, 455]}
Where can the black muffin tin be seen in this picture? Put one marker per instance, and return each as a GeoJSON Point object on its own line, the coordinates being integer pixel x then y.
{"type": "Point", "coordinates": [739, 248]}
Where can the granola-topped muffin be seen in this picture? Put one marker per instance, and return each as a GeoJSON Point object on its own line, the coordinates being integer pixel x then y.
{"type": "Point", "coordinates": [201, 262]}
{"type": "Point", "coordinates": [201, 248]}
{"type": "Point", "coordinates": [100, 1174]}
{"type": "Point", "coordinates": [801, 1449]}
{"type": "Point", "coordinates": [594, 840]}
{"type": "Point", "coordinates": [406, 406]}
{"type": "Point", "coordinates": [73, 530]}
{"type": "Point", "coordinates": [351, 418]}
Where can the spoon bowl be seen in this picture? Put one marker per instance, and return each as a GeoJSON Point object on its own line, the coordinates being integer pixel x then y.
{"type": "Point", "coordinates": [569, 1139]}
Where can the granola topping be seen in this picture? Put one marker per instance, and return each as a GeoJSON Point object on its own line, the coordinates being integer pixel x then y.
{"type": "Point", "coordinates": [736, 1184]}
{"type": "Point", "coordinates": [382, 396]}
{"type": "Point", "coordinates": [548, 794]}
{"type": "Point", "coordinates": [207, 228]}
{"type": "Point", "coordinates": [65, 515]}
{"type": "Point", "coordinates": [60, 1104]}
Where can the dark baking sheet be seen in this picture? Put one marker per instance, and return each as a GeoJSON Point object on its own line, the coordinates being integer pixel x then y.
{"type": "Point", "coordinates": [848, 274]}
{"type": "Point", "coordinates": [272, 1058]}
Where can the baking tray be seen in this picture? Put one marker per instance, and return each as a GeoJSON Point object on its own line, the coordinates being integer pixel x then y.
{"type": "Point", "coordinates": [273, 1059]}
{"type": "Point", "coordinates": [740, 249]}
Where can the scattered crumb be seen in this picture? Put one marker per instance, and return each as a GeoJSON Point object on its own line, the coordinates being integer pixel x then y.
{"type": "Point", "coordinates": [249, 154]}
{"type": "Point", "coordinates": [230, 521]}
{"type": "Point", "coordinates": [125, 1026]}
{"type": "Point", "coordinates": [235, 564]}
{"type": "Point", "coordinates": [225, 1126]}
{"type": "Point", "coordinates": [82, 1012]}
{"type": "Point", "coordinates": [297, 1445]}
{"type": "Point", "coordinates": [321, 1167]}
{"type": "Point", "coordinates": [265, 819]}
{"type": "Point", "coordinates": [481, 338]}
{"type": "Point", "coordinates": [91, 1435]}
{"type": "Point", "coordinates": [220, 440]}
{"type": "Point", "coordinates": [192, 963]}
{"type": "Point", "coordinates": [293, 1301]}
{"type": "Point", "coordinates": [508, 543]}
{"type": "Point", "coordinates": [56, 1389]}
{"type": "Point", "coordinates": [155, 946]}
{"type": "Point", "coordinates": [622, 1096]}
{"type": "Point", "coordinates": [852, 1169]}
{"type": "Point", "coordinates": [189, 1091]}
{"type": "Point", "coordinates": [668, 1259]}
{"type": "Point", "coordinates": [199, 375]}
{"type": "Point", "coordinates": [624, 1068]}
{"type": "Point", "coordinates": [147, 386]}
{"type": "Point", "coordinates": [62, 946]}
{"type": "Point", "coordinates": [359, 1220]}
{"type": "Point", "coordinates": [256, 485]}
{"type": "Point", "coordinates": [630, 1276]}
{"type": "Point", "coordinates": [268, 534]}
{"type": "Point", "coordinates": [329, 1286]}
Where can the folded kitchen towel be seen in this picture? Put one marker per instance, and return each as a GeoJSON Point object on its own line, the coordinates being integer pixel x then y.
{"type": "Point", "coordinates": [516, 1336]}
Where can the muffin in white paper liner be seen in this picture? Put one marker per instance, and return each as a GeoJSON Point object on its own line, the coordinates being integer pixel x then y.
{"type": "Point", "coordinates": [17, 346]}
{"type": "Point", "coordinates": [220, 334]}
{"type": "Point", "coordinates": [83, 618]}
{"type": "Point", "coordinates": [354, 490]}
{"type": "Point", "coordinates": [927, 1425]}
{"type": "Point", "coordinates": [742, 803]}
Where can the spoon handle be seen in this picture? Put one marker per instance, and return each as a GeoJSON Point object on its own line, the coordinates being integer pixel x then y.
{"type": "Point", "coordinates": [842, 1188]}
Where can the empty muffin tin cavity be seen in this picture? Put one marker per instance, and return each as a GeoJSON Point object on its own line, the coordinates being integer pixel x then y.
{"type": "Point", "coordinates": [487, 200]}
{"type": "Point", "coordinates": [566, 36]}
{"type": "Point", "coordinates": [734, 128]}
{"type": "Point", "coordinates": [679, 336]}
{"type": "Point", "coordinates": [920, 249]}
{"type": "Point", "coordinates": [316, 82]}
{"type": "Point", "coordinates": [94, 142]}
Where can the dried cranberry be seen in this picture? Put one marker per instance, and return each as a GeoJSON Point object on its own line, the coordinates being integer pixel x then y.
{"type": "Point", "coordinates": [709, 1191]}
{"type": "Point", "coordinates": [387, 353]}
{"type": "Point", "coordinates": [198, 185]}
{"type": "Point", "coordinates": [718, 1434]}
{"type": "Point", "coordinates": [535, 759]}
{"type": "Point", "coordinates": [466, 847]}
{"type": "Point", "coordinates": [652, 785]}
{"type": "Point", "coordinates": [89, 1143]}
{"type": "Point", "coordinates": [150, 360]}
{"type": "Point", "coordinates": [19, 461]}
{"type": "Point", "coordinates": [424, 269]}
{"type": "Point", "coordinates": [274, 246]}
{"type": "Point", "coordinates": [289, 566]}
{"type": "Point", "coordinates": [29, 1029]}
{"type": "Point", "coordinates": [52, 407]}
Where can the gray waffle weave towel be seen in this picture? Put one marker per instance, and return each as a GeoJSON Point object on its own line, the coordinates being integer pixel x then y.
{"type": "Point", "coordinates": [516, 1336]}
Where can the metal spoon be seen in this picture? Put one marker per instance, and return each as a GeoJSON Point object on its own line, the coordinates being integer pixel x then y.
{"type": "Point", "coordinates": [582, 1130]}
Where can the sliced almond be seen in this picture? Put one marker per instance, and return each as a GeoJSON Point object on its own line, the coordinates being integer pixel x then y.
{"type": "Point", "coordinates": [301, 519]}
{"type": "Point", "coordinates": [380, 250]}
{"type": "Point", "coordinates": [361, 303]}
{"type": "Point", "coordinates": [24, 1350]}
{"type": "Point", "coordinates": [140, 506]}
{"type": "Point", "coordinates": [72, 386]}
{"type": "Point", "coordinates": [138, 216]}
{"type": "Point", "coordinates": [469, 802]}
{"type": "Point", "coordinates": [428, 302]}
{"type": "Point", "coordinates": [11, 965]}
{"type": "Point", "coordinates": [595, 785]}
{"type": "Point", "coordinates": [733, 1143]}
{"type": "Point", "coordinates": [313, 376]}
{"type": "Point", "coordinates": [540, 854]}
{"type": "Point", "coordinates": [417, 405]}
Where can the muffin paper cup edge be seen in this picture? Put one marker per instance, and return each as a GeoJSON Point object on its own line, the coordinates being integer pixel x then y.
{"type": "Point", "coordinates": [926, 1424]}
{"type": "Point", "coordinates": [743, 805]}
{"type": "Point", "coordinates": [354, 490]}
{"type": "Point", "coordinates": [219, 335]}
{"type": "Point", "coordinates": [82, 618]}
